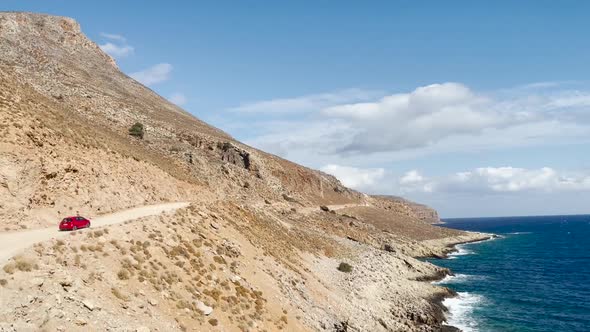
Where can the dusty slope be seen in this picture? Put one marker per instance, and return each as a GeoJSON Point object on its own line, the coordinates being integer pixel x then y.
{"type": "Point", "coordinates": [11, 243]}
{"type": "Point", "coordinates": [65, 110]}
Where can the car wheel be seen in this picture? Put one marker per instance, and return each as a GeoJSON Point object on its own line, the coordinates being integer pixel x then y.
{"type": "Point", "coordinates": [88, 225]}
{"type": "Point", "coordinates": [74, 228]}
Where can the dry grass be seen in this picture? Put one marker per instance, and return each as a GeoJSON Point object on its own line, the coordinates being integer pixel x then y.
{"type": "Point", "coordinates": [20, 263]}
{"type": "Point", "coordinates": [119, 295]}
{"type": "Point", "coordinates": [123, 274]}
{"type": "Point", "coordinates": [9, 268]}
{"type": "Point", "coordinates": [77, 260]}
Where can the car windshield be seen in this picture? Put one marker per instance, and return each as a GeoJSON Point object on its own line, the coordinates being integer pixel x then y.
{"type": "Point", "coordinates": [66, 220]}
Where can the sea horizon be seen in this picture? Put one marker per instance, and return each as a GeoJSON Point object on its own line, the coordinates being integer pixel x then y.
{"type": "Point", "coordinates": [517, 216]}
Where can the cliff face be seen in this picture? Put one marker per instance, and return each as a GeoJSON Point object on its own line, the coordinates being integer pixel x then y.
{"type": "Point", "coordinates": [253, 247]}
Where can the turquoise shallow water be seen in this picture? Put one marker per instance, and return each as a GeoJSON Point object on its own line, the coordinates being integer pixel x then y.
{"type": "Point", "coordinates": [535, 278]}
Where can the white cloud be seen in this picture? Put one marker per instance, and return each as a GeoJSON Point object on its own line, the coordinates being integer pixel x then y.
{"type": "Point", "coordinates": [411, 177]}
{"type": "Point", "coordinates": [413, 181]}
{"type": "Point", "coordinates": [116, 51]}
{"type": "Point", "coordinates": [177, 98]}
{"type": "Point", "coordinates": [117, 47]}
{"type": "Point", "coordinates": [499, 180]}
{"type": "Point", "coordinates": [154, 74]}
{"type": "Point", "coordinates": [305, 103]}
{"type": "Point", "coordinates": [114, 36]}
{"type": "Point", "coordinates": [423, 117]}
{"type": "Point", "coordinates": [361, 179]}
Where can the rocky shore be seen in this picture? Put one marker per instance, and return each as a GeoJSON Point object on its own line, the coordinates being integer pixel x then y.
{"type": "Point", "coordinates": [450, 247]}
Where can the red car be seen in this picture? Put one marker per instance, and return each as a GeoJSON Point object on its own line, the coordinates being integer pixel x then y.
{"type": "Point", "coordinates": [73, 223]}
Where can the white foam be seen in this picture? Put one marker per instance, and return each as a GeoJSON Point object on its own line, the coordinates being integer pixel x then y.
{"type": "Point", "coordinates": [493, 238]}
{"type": "Point", "coordinates": [461, 310]}
{"type": "Point", "coordinates": [520, 233]}
{"type": "Point", "coordinates": [461, 251]}
{"type": "Point", "coordinates": [445, 280]}
{"type": "Point", "coordinates": [457, 279]}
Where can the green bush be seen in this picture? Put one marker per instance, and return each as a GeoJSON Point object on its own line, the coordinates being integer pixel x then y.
{"type": "Point", "coordinates": [137, 130]}
{"type": "Point", "coordinates": [344, 267]}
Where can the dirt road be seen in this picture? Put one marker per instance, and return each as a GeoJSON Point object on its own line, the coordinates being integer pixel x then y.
{"type": "Point", "coordinates": [14, 242]}
{"type": "Point", "coordinates": [308, 210]}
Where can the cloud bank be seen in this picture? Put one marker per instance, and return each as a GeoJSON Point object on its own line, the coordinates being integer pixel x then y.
{"type": "Point", "coordinates": [360, 179]}
{"type": "Point", "coordinates": [482, 180]}
{"type": "Point", "coordinates": [442, 117]}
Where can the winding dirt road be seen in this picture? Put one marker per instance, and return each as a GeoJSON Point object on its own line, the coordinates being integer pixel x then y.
{"type": "Point", "coordinates": [13, 243]}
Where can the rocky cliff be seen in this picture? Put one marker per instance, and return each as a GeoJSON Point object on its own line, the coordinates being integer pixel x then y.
{"type": "Point", "coordinates": [253, 251]}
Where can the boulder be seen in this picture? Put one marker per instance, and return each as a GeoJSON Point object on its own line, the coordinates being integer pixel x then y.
{"type": "Point", "coordinates": [88, 304]}
{"type": "Point", "coordinates": [38, 282]}
{"type": "Point", "coordinates": [80, 321]}
{"type": "Point", "coordinates": [66, 281]}
{"type": "Point", "coordinates": [205, 309]}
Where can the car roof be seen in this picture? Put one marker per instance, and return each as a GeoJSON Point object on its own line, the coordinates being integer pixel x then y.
{"type": "Point", "coordinates": [72, 217]}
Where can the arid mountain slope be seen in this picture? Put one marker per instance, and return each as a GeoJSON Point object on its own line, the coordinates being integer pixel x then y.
{"type": "Point", "coordinates": [253, 251]}
{"type": "Point", "coordinates": [60, 91]}
{"type": "Point", "coordinates": [412, 209]}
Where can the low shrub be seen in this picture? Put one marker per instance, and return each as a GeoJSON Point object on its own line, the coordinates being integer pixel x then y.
{"type": "Point", "coordinates": [24, 264]}
{"type": "Point", "coordinates": [9, 268]}
{"type": "Point", "coordinates": [123, 274]}
{"type": "Point", "coordinates": [137, 130]}
{"type": "Point", "coordinates": [344, 267]}
{"type": "Point", "coordinates": [119, 295]}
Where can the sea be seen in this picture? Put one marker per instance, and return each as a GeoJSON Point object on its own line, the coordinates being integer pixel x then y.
{"type": "Point", "coordinates": [534, 277]}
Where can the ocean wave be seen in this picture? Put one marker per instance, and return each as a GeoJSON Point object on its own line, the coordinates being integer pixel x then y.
{"type": "Point", "coordinates": [461, 309]}
{"type": "Point", "coordinates": [520, 233]}
{"type": "Point", "coordinates": [461, 251]}
{"type": "Point", "coordinates": [493, 238]}
{"type": "Point", "coordinates": [457, 279]}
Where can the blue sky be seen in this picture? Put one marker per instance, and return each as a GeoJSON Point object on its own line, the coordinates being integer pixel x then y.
{"type": "Point", "coordinates": [476, 109]}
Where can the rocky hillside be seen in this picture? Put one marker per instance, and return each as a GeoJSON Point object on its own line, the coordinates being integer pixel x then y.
{"type": "Point", "coordinates": [254, 251]}
{"type": "Point", "coordinates": [411, 209]}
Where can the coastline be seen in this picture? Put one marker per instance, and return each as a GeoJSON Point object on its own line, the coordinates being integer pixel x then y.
{"type": "Point", "coordinates": [449, 246]}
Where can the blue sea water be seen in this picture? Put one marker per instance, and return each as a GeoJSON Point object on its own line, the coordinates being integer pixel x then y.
{"type": "Point", "coordinates": [535, 277]}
